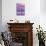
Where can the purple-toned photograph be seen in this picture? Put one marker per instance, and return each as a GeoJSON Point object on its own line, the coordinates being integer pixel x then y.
{"type": "Point", "coordinates": [20, 9]}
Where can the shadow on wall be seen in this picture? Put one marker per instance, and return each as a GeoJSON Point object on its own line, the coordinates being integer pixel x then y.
{"type": "Point", "coordinates": [43, 6]}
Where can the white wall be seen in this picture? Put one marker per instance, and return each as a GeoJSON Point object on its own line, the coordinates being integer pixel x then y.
{"type": "Point", "coordinates": [32, 13]}
{"type": "Point", "coordinates": [0, 15]}
{"type": "Point", "coordinates": [32, 9]}
{"type": "Point", "coordinates": [43, 6]}
{"type": "Point", "coordinates": [43, 14]}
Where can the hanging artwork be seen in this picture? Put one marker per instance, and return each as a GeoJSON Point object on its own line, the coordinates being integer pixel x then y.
{"type": "Point", "coordinates": [20, 9]}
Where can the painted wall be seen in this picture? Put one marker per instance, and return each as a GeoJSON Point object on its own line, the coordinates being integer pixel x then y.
{"type": "Point", "coordinates": [43, 6]}
{"type": "Point", "coordinates": [32, 10]}
{"type": "Point", "coordinates": [0, 15]}
{"type": "Point", "coordinates": [32, 13]}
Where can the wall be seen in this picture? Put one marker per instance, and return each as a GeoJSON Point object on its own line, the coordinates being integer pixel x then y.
{"type": "Point", "coordinates": [43, 6]}
{"type": "Point", "coordinates": [43, 14]}
{"type": "Point", "coordinates": [0, 15]}
{"type": "Point", "coordinates": [32, 9]}
{"type": "Point", "coordinates": [33, 12]}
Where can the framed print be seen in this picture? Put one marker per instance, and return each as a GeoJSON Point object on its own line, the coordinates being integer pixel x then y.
{"type": "Point", "coordinates": [20, 9]}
